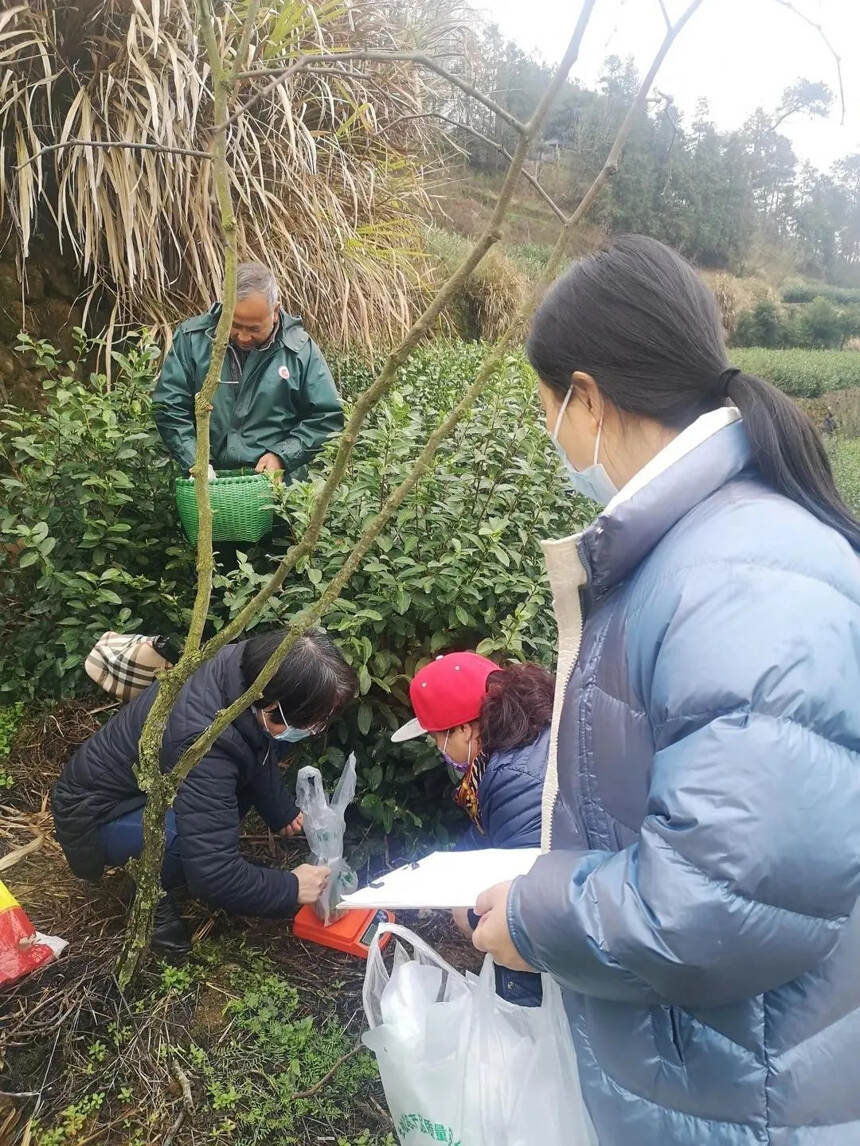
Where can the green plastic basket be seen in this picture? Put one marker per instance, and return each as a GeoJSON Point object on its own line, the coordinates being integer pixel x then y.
{"type": "Point", "coordinates": [241, 507]}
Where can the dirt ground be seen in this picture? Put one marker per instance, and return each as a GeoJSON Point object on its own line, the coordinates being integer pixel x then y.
{"type": "Point", "coordinates": [56, 1023]}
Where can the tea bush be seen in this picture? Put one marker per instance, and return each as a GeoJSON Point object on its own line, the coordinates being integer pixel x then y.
{"type": "Point", "coordinates": [845, 458]}
{"type": "Point", "coordinates": [762, 326]}
{"type": "Point", "coordinates": [801, 373]}
{"type": "Point", "coordinates": [803, 293]}
{"type": "Point", "coordinates": [89, 511]}
{"type": "Point", "coordinates": [459, 567]}
{"type": "Point", "coordinates": [11, 716]}
{"type": "Point", "coordinates": [91, 540]}
{"type": "Point", "coordinates": [88, 526]}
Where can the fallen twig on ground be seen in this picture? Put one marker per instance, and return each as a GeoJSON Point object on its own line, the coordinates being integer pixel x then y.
{"type": "Point", "coordinates": [18, 854]}
{"type": "Point", "coordinates": [311, 1091]}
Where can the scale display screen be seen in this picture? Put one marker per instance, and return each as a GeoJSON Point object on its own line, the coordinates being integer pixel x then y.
{"type": "Point", "coordinates": [367, 937]}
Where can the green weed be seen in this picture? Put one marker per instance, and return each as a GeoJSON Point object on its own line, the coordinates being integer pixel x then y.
{"type": "Point", "coordinates": [71, 1122]}
{"type": "Point", "coordinates": [256, 1082]}
{"type": "Point", "coordinates": [11, 716]}
{"type": "Point", "coordinates": [845, 458]}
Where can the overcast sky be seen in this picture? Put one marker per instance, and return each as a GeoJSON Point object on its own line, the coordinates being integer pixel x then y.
{"type": "Point", "coordinates": [737, 54]}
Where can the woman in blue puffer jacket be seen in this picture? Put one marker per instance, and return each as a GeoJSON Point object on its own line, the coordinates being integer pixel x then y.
{"type": "Point", "coordinates": [491, 726]}
{"type": "Point", "coordinates": [698, 901]}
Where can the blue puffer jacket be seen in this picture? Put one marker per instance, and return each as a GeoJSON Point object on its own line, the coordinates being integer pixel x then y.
{"type": "Point", "coordinates": [239, 771]}
{"type": "Point", "coordinates": [509, 805]}
{"type": "Point", "coordinates": [699, 901]}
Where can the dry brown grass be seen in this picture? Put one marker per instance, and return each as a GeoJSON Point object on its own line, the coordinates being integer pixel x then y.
{"type": "Point", "coordinates": [489, 299]}
{"type": "Point", "coordinates": [735, 295]}
{"type": "Point", "coordinates": [326, 173]}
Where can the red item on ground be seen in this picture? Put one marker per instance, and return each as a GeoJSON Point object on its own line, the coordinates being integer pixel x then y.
{"type": "Point", "coordinates": [22, 947]}
{"type": "Point", "coordinates": [352, 933]}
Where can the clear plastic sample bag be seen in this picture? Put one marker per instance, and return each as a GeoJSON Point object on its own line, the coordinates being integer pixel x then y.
{"type": "Point", "coordinates": [324, 827]}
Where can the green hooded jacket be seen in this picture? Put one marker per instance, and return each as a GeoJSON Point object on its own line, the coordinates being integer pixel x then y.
{"type": "Point", "coordinates": [283, 400]}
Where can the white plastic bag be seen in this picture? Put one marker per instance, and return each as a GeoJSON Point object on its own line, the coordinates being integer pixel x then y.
{"type": "Point", "coordinates": [462, 1066]}
{"type": "Point", "coordinates": [324, 827]}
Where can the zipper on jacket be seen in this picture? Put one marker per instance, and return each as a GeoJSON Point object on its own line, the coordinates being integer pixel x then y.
{"type": "Point", "coordinates": [237, 372]}
{"type": "Point", "coordinates": [567, 576]}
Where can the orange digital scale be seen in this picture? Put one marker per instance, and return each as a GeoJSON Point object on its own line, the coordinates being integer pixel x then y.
{"type": "Point", "coordinates": [352, 933]}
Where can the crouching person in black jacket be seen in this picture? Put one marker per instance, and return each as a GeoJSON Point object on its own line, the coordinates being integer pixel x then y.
{"type": "Point", "coordinates": [98, 806]}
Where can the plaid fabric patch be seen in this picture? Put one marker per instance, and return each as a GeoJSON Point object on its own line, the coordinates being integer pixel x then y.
{"type": "Point", "coordinates": [124, 665]}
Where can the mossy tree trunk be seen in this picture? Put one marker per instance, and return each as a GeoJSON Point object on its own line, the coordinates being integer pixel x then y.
{"type": "Point", "coordinates": [160, 788]}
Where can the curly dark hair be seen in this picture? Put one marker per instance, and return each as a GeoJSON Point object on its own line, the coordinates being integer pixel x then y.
{"type": "Point", "coordinates": [517, 707]}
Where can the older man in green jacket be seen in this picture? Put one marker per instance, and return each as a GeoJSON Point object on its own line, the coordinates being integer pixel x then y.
{"type": "Point", "coordinates": [276, 403]}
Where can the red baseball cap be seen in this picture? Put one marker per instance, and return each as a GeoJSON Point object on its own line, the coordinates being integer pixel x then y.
{"type": "Point", "coordinates": [447, 692]}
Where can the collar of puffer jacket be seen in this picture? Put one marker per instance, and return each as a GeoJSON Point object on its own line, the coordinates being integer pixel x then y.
{"type": "Point", "coordinates": [699, 461]}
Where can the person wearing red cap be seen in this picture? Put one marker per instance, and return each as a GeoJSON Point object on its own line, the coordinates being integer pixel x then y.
{"type": "Point", "coordinates": [491, 726]}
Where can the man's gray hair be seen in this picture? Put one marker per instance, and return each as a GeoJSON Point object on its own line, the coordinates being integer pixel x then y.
{"type": "Point", "coordinates": [254, 278]}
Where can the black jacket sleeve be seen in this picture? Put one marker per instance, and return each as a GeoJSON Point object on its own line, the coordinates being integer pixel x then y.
{"type": "Point", "coordinates": [271, 796]}
{"type": "Point", "coordinates": [207, 819]}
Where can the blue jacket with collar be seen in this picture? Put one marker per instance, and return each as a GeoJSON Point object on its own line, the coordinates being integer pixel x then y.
{"type": "Point", "coordinates": [509, 803]}
{"type": "Point", "coordinates": [699, 899]}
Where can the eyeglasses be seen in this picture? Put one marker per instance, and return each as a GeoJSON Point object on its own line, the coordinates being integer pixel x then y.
{"type": "Point", "coordinates": [313, 730]}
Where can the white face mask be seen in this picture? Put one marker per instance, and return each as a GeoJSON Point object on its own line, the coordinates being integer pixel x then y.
{"type": "Point", "coordinates": [593, 482]}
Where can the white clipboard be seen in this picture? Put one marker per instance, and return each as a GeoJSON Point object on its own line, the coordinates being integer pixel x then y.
{"type": "Point", "coordinates": [444, 879]}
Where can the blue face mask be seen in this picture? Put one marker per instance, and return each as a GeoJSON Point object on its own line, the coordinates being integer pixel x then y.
{"type": "Point", "coordinates": [592, 482]}
{"type": "Point", "coordinates": [290, 735]}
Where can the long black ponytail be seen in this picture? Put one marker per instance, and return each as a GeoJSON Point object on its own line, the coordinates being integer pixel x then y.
{"type": "Point", "coordinates": [639, 319]}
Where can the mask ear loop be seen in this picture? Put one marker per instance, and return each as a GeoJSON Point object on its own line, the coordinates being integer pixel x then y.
{"type": "Point", "coordinates": [561, 411]}
{"type": "Point", "coordinates": [597, 441]}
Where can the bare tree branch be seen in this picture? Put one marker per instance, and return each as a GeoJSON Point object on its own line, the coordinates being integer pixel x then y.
{"type": "Point", "coordinates": [146, 869]}
{"type": "Point", "coordinates": [527, 175]}
{"type": "Point", "coordinates": [281, 75]}
{"type": "Point", "coordinates": [819, 28]}
{"type": "Point", "coordinates": [491, 364]}
{"type": "Point", "coordinates": [187, 1109]}
{"type": "Point", "coordinates": [223, 85]}
{"type": "Point", "coordinates": [665, 13]}
{"type": "Point", "coordinates": [611, 164]}
{"type": "Point", "coordinates": [305, 546]}
{"type": "Point", "coordinates": [113, 145]}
